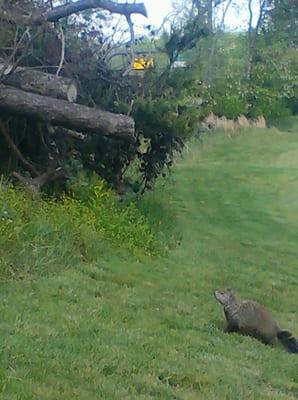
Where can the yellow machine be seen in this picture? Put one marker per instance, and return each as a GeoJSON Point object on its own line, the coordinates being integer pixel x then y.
{"type": "Point", "coordinates": [143, 62]}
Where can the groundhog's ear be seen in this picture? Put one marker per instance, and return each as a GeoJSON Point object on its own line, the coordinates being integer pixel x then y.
{"type": "Point", "coordinates": [230, 290]}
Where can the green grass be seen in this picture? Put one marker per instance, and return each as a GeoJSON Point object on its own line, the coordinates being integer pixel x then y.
{"type": "Point", "coordinates": [149, 328]}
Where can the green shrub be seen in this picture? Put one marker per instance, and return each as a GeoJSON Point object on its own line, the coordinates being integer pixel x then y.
{"type": "Point", "coordinates": [230, 106]}
{"type": "Point", "coordinates": [267, 102]}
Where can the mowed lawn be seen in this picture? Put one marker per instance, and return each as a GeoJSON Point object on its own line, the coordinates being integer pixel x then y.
{"type": "Point", "coordinates": [150, 328]}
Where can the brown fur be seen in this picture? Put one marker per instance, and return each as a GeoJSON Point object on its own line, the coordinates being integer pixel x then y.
{"type": "Point", "coordinates": [250, 318]}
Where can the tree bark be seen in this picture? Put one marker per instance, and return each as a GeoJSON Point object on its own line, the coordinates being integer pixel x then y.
{"type": "Point", "coordinates": [32, 80]}
{"type": "Point", "coordinates": [61, 112]}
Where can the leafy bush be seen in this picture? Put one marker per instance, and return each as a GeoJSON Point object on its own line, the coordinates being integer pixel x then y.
{"type": "Point", "coordinates": [230, 106]}
{"type": "Point", "coordinates": [267, 102]}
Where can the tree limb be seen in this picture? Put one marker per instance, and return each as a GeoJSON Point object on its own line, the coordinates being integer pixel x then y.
{"type": "Point", "coordinates": [7, 62]}
{"type": "Point", "coordinates": [63, 11]}
{"type": "Point", "coordinates": [62, 58]}
{"type": "Point", "coordinates": [132, 45]}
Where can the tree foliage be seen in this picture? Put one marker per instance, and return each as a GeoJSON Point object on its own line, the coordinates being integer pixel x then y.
{"type": "Point", "coordinates": [254, 72]}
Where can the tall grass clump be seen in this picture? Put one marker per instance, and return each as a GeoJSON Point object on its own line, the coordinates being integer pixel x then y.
{"type": "Point", "coordinates": [45, 234]}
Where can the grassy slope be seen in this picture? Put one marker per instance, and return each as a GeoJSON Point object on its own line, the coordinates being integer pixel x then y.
{"type": "Point", "coordinates": [123, 329]}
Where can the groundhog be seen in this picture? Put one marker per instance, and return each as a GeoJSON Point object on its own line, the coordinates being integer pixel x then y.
{"type": "Point", "coordinates": [250, 318]}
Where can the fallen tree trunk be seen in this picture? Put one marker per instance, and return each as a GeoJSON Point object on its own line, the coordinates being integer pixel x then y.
{"type": "Point", "coordinates": [32, 80]}
{"type": "Point", "coordinates": [61, 112]}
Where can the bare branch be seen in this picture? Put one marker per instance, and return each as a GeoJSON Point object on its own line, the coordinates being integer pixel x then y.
{"type": "Point", "coordinates": [14, 52]}
{"type": "Point", "coordinates": [132, 43]}
{"type": "Point", "coordinates": [62, 51]}
{"type": "Point", "coordinates": [63, 11]}
{"type": "Point", "coordinates": [15, 150]}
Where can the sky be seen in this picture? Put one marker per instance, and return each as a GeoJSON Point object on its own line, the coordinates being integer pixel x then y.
{"type": "Point", "coordinates": [236, 18]}
{"type": "Point", "coordinates": [157, 10]}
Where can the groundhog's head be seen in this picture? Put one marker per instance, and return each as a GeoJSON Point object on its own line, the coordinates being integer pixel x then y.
{"type": "Point", "coordinates": [225, 296]}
